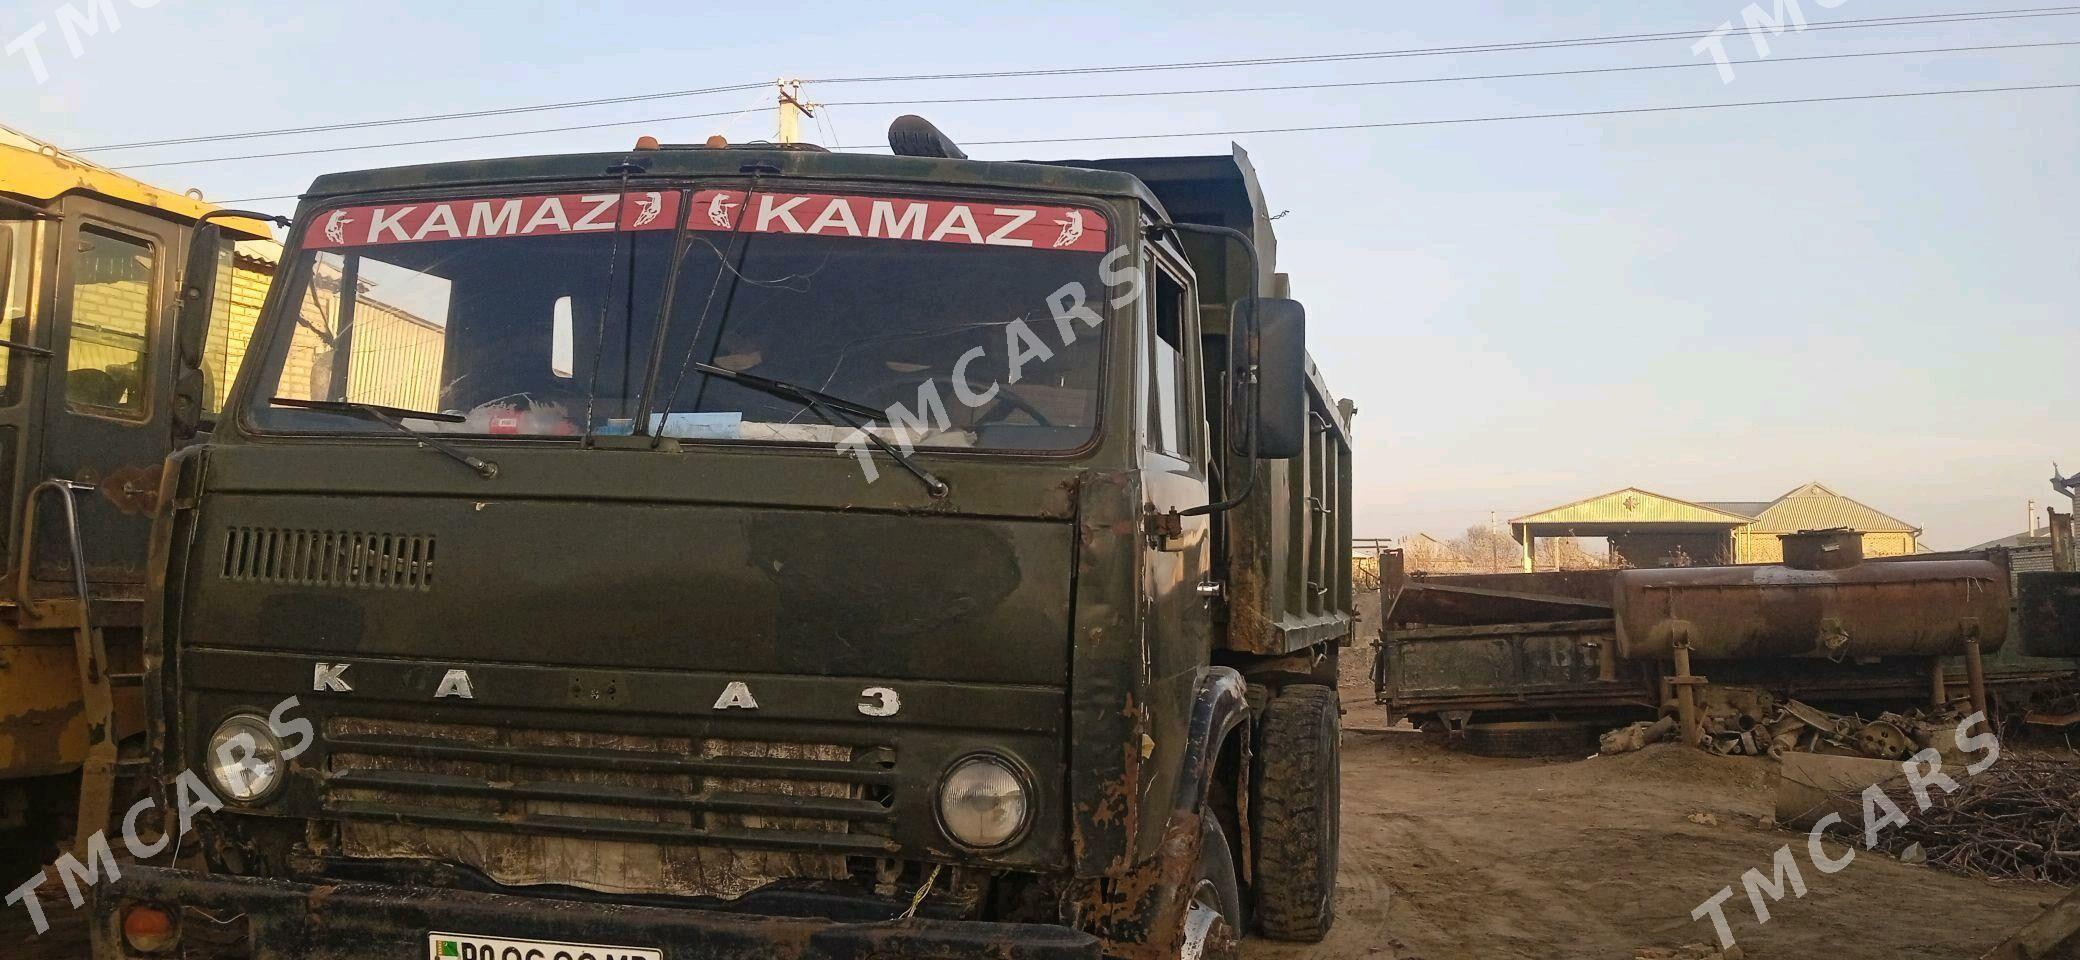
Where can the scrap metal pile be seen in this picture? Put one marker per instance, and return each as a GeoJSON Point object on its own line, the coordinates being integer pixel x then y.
{"type": "Point", "coordinates": [1749, 722]}
{"type": "Point", "coordinates": [2016, 820]}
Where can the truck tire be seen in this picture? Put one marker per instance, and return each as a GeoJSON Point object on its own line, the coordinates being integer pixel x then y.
{"type": "Point", "coordinates": [1212, 917]}
{"type": "Point", "coordinates": [1297, 815]}
{"type": "Point", "coordinates": [1533, 738]}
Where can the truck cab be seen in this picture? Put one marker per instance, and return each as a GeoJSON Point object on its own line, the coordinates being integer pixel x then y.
{"type": "Point", "coordinates": [750, 551]}
{"type": "Point", "coordinates": [88, 265]}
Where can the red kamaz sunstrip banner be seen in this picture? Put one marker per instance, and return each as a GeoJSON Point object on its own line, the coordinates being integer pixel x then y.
{"type": "Point", "coordinates": [979, 222]}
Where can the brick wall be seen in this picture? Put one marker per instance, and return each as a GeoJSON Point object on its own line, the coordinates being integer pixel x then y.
{"type": "Point", "coordinates": [111, 314]}
{"type": "Point", "coordinates": [1769, 547]}
{"type": "Point", "coordinates": [234, 330]}
{"type": "Point", "coordinates": [1887, 544]}
{"type": "Point", "coordinates": [397, 357]}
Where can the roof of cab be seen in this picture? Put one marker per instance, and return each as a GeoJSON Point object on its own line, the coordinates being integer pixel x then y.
{"type": "Point", "coordinates": [38, 172]}
{"type": "Point", "coordinates": [679, 162]}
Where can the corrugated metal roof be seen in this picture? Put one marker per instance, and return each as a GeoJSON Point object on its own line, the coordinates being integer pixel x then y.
{"type": "Point", "coordinates": [1745, 508]}
{"type": "Point", "coordinates": [1814, 507]}
{"type": "Point", "coordinates": [1631, 505]}
{"type": "Point", "coordinates": [2035, 538]}
{"type": "Point", "coordinates": [267, 252]}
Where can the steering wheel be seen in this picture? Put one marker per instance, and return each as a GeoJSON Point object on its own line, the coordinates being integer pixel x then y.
{"type": "Point", "coordinates": [1007, 403]}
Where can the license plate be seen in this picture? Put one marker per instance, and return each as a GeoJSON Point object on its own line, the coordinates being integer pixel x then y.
{"type": "Point", "coordinates": [469, 946]}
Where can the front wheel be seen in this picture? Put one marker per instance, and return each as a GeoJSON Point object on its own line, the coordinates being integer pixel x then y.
{"type": "Point", "coordinates": [1212, 916]}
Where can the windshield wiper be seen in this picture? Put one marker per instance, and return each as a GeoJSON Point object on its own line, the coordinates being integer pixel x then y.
{"type": "Point", "coordinates": [782, 388]}
{"type": "Point", "coordinates": [832, 408]}
{"type": "Point", "coordinates": [394, 417]}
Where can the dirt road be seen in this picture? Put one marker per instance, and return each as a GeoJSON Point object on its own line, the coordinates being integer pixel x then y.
{"type": "Point", "coordinates": [1452, 857]}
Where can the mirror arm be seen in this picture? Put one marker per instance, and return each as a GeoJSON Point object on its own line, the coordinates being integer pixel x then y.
{"type": "Point", "coordinates": [1248, 374]}
{"type": "Point", "coordinates": [276, 219]}
{"type": "Point", "coordinates": [26, 348]}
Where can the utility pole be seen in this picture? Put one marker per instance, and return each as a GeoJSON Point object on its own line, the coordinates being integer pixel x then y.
{"type": "Point", "coordinates": [792, 109]}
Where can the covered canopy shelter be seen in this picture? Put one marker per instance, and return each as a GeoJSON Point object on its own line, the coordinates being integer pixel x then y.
{"type": "Point", "coordinates": [1645, 528]}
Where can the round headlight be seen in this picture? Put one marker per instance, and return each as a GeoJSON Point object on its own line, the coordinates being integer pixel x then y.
{"type": "Point", "coordinates": [245, 758]}
{"type": "Point", "coordinates": [983, 803]}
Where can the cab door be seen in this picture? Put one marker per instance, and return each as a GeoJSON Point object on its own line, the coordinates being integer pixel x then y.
{"type": "Point", "coordinates": [1174, 454]}
{"type": "Point", "coordinates": [106, 392]}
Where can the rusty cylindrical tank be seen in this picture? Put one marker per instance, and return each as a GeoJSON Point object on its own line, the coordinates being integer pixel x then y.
{"type": "Point", "coordinates": [1924, 608]}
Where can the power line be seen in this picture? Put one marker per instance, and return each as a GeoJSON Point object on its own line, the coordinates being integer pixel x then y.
{"type": "Point", "coordinates": [430, 118]}
{"type": "Point", "coordinates": [1863, 23]}
{"type": "Point", "coordinates": [1622, 111]}
{"type": "Point", "coordinates": [1111, 96]}
{"type": "Point", "coordinates": [1934, 18]}
{"type": "Point", "coordinates": [1423, 80]}
{"type": "Point", "coordinates": [1496, 119]}
{"type": "Point", "coordinates": [416, 143]}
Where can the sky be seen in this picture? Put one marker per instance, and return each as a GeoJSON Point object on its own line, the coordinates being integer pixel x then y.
{"type": "Point", "coordinates": [1882, 295]}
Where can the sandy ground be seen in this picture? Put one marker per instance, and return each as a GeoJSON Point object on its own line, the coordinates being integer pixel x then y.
{"type": "Point", "coordinates": [1453, 857]}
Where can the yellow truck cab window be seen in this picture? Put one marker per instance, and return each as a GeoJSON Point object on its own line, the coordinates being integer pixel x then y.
{"type": "Point", "coordinates": [107, 362]}
{"type": "Point", "coordinates": [17, 286]}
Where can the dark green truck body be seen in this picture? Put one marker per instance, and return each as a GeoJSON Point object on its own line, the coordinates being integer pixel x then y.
{"type": "Point", "coordinates": [600, 779]}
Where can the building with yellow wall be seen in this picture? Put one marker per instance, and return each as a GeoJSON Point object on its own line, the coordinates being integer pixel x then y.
{"type": "Point", "coordinates": [1647, 529]}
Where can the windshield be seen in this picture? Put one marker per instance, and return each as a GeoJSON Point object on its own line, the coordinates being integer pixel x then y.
{"type": "Point", "coordinates": [536, 317]}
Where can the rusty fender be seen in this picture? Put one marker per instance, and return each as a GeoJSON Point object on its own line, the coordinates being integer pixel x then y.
{"type": "Point", "coordinates": [1135, 913]}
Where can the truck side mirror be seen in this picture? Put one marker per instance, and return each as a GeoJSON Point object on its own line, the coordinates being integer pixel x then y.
{"type": "Point", "coordinates": [1281, 329]}
{"type": "Point", "coordinates": [191, 327]}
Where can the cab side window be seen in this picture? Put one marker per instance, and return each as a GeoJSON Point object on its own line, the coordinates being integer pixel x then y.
{"type": "Point", "coordinates": [1170, 413]}
{"type": "Point", "coordinates": [108, 360]}
{"type": "Point", "coordinates": [17, 286]}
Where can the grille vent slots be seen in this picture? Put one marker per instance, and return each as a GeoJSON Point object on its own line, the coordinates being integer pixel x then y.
{"type": "Point", "coordinates": [331, 558]}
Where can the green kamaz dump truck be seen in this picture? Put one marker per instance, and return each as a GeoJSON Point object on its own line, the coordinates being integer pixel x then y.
{"type": "Point", "coordinates": [755, 551]}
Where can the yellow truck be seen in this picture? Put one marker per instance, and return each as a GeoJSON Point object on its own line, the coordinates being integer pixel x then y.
{"type": "Point", "coordinates": [89, 264]}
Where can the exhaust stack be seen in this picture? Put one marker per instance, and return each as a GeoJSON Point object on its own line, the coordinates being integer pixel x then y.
{"type": "Point", "coordinates": [913, 136]}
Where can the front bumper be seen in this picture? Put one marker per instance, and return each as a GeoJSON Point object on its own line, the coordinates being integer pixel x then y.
{"type": "Point", "coordinates": [366, 921]}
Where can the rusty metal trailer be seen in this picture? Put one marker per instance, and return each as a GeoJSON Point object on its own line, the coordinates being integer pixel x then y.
{"type": "Point", "coordinates": [1607, 646]}
{"type": "Point", "coordinates": [1453, 648]}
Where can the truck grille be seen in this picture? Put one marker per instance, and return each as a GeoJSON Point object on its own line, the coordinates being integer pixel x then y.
{"type": "Point", "coordinates": [331, 558]}
{"type": "Point", "coordinates": [689, 816]}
